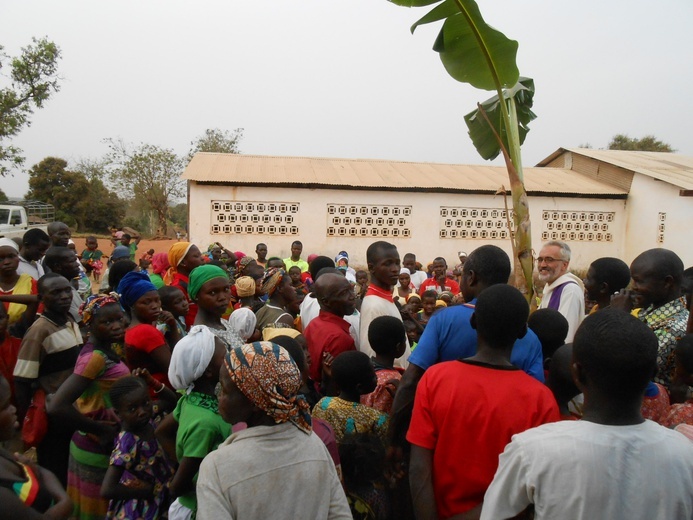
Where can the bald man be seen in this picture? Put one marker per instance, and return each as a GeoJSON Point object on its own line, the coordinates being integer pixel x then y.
{"type": "Point", "coordinates": [329, 332]}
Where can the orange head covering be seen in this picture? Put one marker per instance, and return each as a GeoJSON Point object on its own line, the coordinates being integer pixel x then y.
{"type": "Point", "coordinates": [175, 256]}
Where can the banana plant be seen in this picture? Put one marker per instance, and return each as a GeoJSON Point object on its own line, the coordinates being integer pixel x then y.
{"type": "Point", "coordinates": [474, 52]}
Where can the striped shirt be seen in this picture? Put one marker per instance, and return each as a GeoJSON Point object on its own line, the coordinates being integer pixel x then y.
{"type": "Point", "coordinates": [48, 352]}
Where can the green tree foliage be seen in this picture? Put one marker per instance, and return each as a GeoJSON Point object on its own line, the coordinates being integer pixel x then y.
{"type": "Point", "coordinates": [32, 80]}
{"type": "Point", "coordinates": [102, 208]}
{"type": "Point", "coordinates": [83, 203]}
{"type": "Point", "coordinates": [217, 141]}
{"type": "Point", "coordinates": [148, 173]}
{"type": "Point", "coordinates": [179, 214]}
{"type": "Point", "coordinates": [51, 182]}
{"type": "Point", "coordinates": [3, 196]}
{"type": "Point", "coordinates": [649, 143]}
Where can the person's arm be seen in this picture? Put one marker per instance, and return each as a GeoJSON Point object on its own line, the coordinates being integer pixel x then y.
{"type": "Point", "coordinates": [13, 507]}
{"type": "Point", "coordinates": [421, 483]}
{"type": "Point", "coordinates": [24, 299]}
{"type": "Point", "coordinates": [137, 239]}
{"type": "Point", "coordinates": [166, 435]}
{"type": "Point", "coordinates": [24, 391]}
{"type": "Point", "coordinates": [60, 406]}
{"type": "Point", "coordinates": [62, 505]}
{"type": "Point", "coordinates": [112, 489]}
{"type": "Point", "coordinates": [182, 481]}
{"type": "Point", "coordinates": [161, 356]}
{"type": "Point", "coordinates": [167, 397]}
{"type": "Point", "coordinates": [287, 319]}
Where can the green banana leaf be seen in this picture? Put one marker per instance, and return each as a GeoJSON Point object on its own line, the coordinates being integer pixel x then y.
{"type": "Point", "coordinates": [413, 3]}
{"type": "Point", "coordinates": [479, 131]}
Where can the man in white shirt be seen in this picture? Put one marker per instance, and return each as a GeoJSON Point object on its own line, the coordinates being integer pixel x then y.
{"type": "Point", "coordinates": [611, 464]}
{"type": "Point", "coordinates": [35, 242]}
{"type": "Point", "coordinates": [563, 291]}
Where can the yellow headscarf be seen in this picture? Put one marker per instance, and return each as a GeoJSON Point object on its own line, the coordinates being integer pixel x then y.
{"type": "Point", "coordinates": [175, 256]}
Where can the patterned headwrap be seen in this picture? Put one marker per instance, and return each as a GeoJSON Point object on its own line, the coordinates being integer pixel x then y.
{"type": "Point", "coordinates": [242, 264]}
{"type": "Point", "coordinates": [271, 280]}
{"type": "Point", "coordinates": [160, 263]}
{"type": "Point", "coordinates": [91, 307]}
{"type": "Point", "coordinates": [270, 379]}
{"type": "Point", "coordinates": [133, 286]}
{"type": "Point", "coordinates": [203, 274]}
{"type": "Point", "coordinates": [245, 286]}
{"type": "Point", "coordinates": [175, 257]}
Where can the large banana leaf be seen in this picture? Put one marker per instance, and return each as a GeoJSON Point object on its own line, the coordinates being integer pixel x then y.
{"type": "Point", "coordinates": [471, 50]}
{"type": "Point", "coordinates": [479, 131]}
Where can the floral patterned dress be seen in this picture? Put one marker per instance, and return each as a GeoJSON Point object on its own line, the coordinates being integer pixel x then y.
{"type": "Point", "coordinates": [144, 462]}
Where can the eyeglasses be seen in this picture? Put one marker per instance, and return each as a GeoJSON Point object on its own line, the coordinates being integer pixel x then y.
{"type": "Point", "coordinates": [548, 260]}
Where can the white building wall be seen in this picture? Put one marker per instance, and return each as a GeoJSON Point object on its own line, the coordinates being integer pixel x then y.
{"type": "Point", "coordinates": [416, 228]}
{"type": "Point", "coordinates": [658, 216]}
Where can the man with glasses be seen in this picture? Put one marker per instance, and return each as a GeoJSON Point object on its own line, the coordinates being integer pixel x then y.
{"type": "Point", "coordinates": [562, 291]}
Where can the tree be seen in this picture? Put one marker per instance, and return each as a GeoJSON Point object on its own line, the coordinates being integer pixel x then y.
{"type": "Point", "coordinates": [179, 214]}
{"type": "Point", "coordinates": [474, 52]}
{"type": "Point", "coordinates": [649, 143]}
{"type": "Point", "coordinates": [217, 141]}
{"type": "Point", "coordinates": [3, 196]}
{"type": "Point", "coordinates": [33, 79]}
{"type": "Point", "coordinates": [149, 173]}
{"type": "Point", "coordinates": [51, 182]}
{"type": "Point", "coordinates": [102, 208]}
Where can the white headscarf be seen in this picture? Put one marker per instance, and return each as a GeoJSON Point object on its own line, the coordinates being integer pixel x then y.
{"type": "Point", "coordinates": [9, 243]}
{"type": "Point", "coordinates": [191, 358]}
{"type": "Point", "coordinates": [405, 270]}
{"type": "Point", "coordinates": [243, 321]}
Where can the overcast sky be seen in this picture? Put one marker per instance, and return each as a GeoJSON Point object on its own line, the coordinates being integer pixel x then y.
{"type": "Point", "coordinates": [344, 78]}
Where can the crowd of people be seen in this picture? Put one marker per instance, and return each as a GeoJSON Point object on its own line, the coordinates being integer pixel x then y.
{"type": "Point", "coordinates": [209, 383]}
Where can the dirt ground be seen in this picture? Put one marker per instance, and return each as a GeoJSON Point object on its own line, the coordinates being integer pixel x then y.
{"type": "Point", "coordinates": [159, 246]}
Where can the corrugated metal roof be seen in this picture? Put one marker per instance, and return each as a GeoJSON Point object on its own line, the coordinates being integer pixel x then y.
{"type": "Point", "coordinates": [311, 172]}
{"type": "Point", "coordinates": [668, 167]}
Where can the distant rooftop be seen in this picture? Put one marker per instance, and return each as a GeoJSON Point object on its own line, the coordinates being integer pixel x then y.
{"type": "Point", "coordinates": [668, 167]}
{"type": "Point", "coordinates": [383, 175]}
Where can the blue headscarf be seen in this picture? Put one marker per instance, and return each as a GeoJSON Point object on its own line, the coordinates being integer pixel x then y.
{"type": "Point", "coordinates": [133, 286]}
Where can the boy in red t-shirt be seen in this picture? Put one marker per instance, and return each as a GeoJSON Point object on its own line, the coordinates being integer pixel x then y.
{"type": "Point", "coordinates": [466, 411]}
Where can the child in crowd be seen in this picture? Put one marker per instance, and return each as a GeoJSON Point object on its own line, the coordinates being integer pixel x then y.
{"type": "Point", "coordinates": [210, 290]}
{"type": "Point", "coordinates": [428, 306]}
{"type": "Point", "coordinates": [146, 259]}
{"type": "Point", "coordinates": [388, 339]}
{"type": "Point", "coordinates": [354, 376]}
{"type": "Point", "coordinates": [138, 474]}
{"type": "Point", "coordinates": [682, 411]}
{"type": "Point", "coordinates": [174, 302]}
{"type": "Point", "coordinates": [244, 322]}
{"type": "Point", "coordinates": [245, 290]}
{"type": "Point", "coordinates": [363, 456]}
{"type": "Point", "coordinates": [9, 350]}
{"type": "Point", "coordinates": [551, 328]}
{"type": "Point", "coordinates": [297, 283]}
{"type": "Point", "coordinates": [145, 345]}
{"type": "Point", "coordinates": [447, 297]}
{"type": "Point", "coordinates": [362, 283]}
{"type": "Point", "coordinates": [412, 331]}
{"type": "Point", "coordinates": [91, 259]}
{"type": "Point", "coordinates": [26, 490]}
{"type": "Point", "coordinates": [195, 428]}
{"type": "Point", "coordinates": [560, 380]}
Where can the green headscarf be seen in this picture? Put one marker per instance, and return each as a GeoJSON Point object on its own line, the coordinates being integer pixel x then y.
{"type": "Point", "coordinates": [201, 275]}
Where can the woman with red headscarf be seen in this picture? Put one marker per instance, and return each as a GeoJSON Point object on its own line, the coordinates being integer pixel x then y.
{"type": "Point", "coordinates": [160, 265]}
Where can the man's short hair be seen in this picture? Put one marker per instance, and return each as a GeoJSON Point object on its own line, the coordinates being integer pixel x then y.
{"type": "Point", "coordinates": [376, 248]}
{"type": "Point", "coordinates": [55, 255]}
{"type": "Point", "coordinates": [664, 263]}
{"type": "Point", "coordinates": [385, 334]}
{"type": "Point", "coordinates": [409, 255]}
{"type": "Point", "coordinates": [296, 243]}
{"type": "Point", "coordinates": [617, 352]}
{"type": "Point", "coordinates": [551, 328]}
{"type": "Point", "coordinates": [318, 264]}
{"type": "Point", "coordinates": [440, 259]}
{"type": "Point", "coordinates": [34, 237]}
{"type": "Point", "coordinates": [684, 353]}
{"type": "Point", "coordinates": [490, 263]}
{"type": "Point", "coordinates": [41, 284]}
{"type": "Point", "coordinates": [501, 313]}
{"type": "Point", "coordinates": [350, 369]}
{"type": "Point", "coordinates": [614, 272]}
{"type": "Point", "coordinates": [565, 249]}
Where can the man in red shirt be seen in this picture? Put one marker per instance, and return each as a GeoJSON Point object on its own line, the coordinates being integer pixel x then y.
{"type": "Point", "coordinates": [466, 411]}
{"type": "Point", "coordinates": [439, 282]}
{"type": "Point", "coordinates": [329, 332]}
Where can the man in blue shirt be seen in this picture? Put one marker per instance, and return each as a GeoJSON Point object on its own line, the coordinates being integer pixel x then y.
{"type": "Point", "coordinates": [449, 334]}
